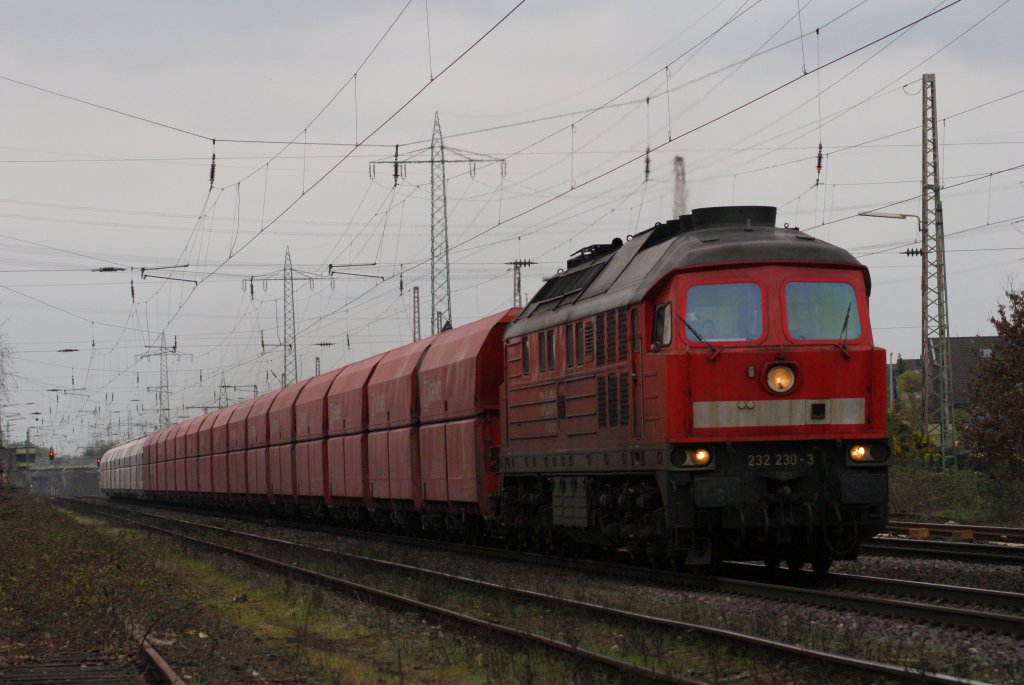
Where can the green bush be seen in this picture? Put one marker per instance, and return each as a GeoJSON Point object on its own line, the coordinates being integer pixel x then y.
{"type": "Point", "coordinates": [964, 496]}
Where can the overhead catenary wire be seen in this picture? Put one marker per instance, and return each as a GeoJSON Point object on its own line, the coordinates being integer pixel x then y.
{"type": "Point", "coordinates": [578, 151]}
{"type": "Point", "coordinates": [266, 224]}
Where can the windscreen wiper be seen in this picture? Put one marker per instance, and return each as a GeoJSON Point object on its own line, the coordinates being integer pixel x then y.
{"type": "Point", "coordinates": [701, 338]}
{"type": "Point", "coordinates": [844, 334]}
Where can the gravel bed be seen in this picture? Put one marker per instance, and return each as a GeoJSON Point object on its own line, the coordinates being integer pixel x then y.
{"type": "Point", "coordinates": [989, 577]}
{"type": "Point", "coordinates": [991, 658]}
{"type": "Point", "coordinates": [68, 588]}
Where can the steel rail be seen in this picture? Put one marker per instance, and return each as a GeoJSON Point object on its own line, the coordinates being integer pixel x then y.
{"type": "Point", "coordinates": [608, 662]}
{"type": "Point", "coordinates": [157, 659]}
{"type": "Point", "coordinates": [953, 551]}
{"type": "Point", "coordinates": [985, 533]}
{"type": "Point", "coordinates": [608, 612]}
{"type": "Point", "coordinates": [994, 599]}
{"type": "Point", "coordinates": [999, 600]}
{"type": "Point", "coordinates": [833, 599]}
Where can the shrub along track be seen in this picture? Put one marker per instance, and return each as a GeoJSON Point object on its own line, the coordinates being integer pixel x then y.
{"type": "Point", "coordinates": [503, 606]}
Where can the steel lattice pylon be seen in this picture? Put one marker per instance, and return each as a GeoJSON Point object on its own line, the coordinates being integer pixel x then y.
{"type": "Point", "coordinates": [164, 393]}
{"type": "Point", "coordinates": [416, 313]}
{"type": "Point", "coordinates": [937, 395]}
{"type": "Point", "coordinates": [440, 283]}
{"type": "Point", "coordinates": [291, 365]}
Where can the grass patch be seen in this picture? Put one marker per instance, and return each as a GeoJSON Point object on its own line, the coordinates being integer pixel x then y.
{"type": "Point", "coordinates": [964, 496]}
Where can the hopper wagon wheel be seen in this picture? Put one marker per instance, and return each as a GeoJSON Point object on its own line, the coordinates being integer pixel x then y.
{"type": "Point", "coordinates": [821, 564]}
{"type": "Point", "coordinates": [795, 563]}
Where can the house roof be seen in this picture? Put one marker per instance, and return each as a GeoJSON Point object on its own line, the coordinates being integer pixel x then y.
{"type": "Point", "coordinates": [964, 355]}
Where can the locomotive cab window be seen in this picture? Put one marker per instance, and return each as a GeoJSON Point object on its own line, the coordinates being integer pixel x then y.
{"type": "Point", "coordinates": [662, 334]}
{"type": "Point", "coordinates": [822, 311]}
{"type": "Point", "coordinates": [723, 312]}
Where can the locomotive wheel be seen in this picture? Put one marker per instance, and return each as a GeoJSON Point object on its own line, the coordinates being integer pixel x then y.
{"type": "Point", "coordinates": [821, 564]}
{"type": "Point", "coordinates": [677, 562]}
{"type": "Point", "coordinates": [772, 563]}
{"type": "Point", "coordinates": [795, 564]}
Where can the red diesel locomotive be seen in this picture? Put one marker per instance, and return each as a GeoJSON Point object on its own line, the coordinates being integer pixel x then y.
{"type": "Point", "coordinates": [708, 389]}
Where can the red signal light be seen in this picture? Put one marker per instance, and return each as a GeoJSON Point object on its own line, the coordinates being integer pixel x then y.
{"type": "Point", "coordinates": [51, 454]}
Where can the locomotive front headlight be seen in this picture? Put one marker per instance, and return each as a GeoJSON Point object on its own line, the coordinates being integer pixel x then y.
{"type": "Point", "coordinates": [858, 452]}
{"type": "Point", "coordinates": [683, 457]}
{"type": "Point", "coordinates": [780, 379]}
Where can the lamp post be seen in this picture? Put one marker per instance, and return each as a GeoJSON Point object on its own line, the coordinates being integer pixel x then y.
{"type": "Point", "coordinates": [924, 339]}
{"type": "Point", "coordinates": [893, 215]}
{"type": "Point", "coordinates": [936, 390]}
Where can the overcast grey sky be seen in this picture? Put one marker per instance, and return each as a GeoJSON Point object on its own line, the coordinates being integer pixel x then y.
{"type": "Point", "coordinates": [570, 94]}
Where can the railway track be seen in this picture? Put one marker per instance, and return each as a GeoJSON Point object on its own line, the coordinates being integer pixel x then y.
{"type": "Point", "coordinates": [610, 614]}
{"type": "Point", "coordinates": [978, 609]}
{"type": "Point", "coordinates": [938, 595]}
{"type": "Point", "coordinates": [61, 669]}
{"type": "Point", "coordinates": [952, 531]}
{"type": "Point", "coordinates": [953, 551]}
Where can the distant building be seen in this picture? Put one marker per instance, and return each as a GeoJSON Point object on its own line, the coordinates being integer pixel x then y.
{"type": "Point", "coordinates": [964, 354]}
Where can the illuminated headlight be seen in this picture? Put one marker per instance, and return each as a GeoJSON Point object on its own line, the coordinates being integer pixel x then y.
{"type": "Point", "coordinates": [780, 379]}
{"type": "Point", "coordinates": [690, 456]}
{"type": "Point", "coordinates": [874, 452]}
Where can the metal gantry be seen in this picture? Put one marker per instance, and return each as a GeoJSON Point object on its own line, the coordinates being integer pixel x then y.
{"type": "Point", "coordinates": [416, 335]}
{"type": "Point", "coordinates": [937, 395]}
{"type": "Point", "coordinates": [440, 273]}
{"type": "Point", "coordinates": [291, 362]}
{"type": "Point", "coordinates": [440, 156]}
{"type": "Point", "coordinates": [163, 389]}
{"type": "Point", "coordinates": [517, 280]}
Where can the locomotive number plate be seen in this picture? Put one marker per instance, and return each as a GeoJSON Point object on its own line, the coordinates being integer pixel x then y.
{"type": "Point", "coordinates": [780, 459]}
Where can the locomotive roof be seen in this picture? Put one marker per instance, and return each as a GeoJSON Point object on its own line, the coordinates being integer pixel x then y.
{"type": "Point", "coordinates": [603, 277]}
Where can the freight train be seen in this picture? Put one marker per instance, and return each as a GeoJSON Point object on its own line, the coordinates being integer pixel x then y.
{"type": "Point", "coordinates": [707, 389]}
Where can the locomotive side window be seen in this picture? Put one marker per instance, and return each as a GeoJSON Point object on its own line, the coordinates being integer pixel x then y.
{"type": "Point", "coordinates": [822, 311]}
{"type": "Point", "coordinates": [662, 334]}
{"type": "Point", "coordinates": [526, 355]}
{"type": "Point", "coordinates": [551, 350]}
{"type": "Point", "coordinates": [724, 311]}
{"type": "Point", "coordinates": [542, 346]}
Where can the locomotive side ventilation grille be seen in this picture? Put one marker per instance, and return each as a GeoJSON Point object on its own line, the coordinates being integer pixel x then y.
{"type": "Point", "coordinates": [588, 339]}
{"type": "Point", "coordinates": [612, 354]}
{"type": "Point", "coordinates": [613, 400]}
{"type": "Point", "coordinates": [600, 339]}
{"type": "Point", "coordinates": [622, 332]}
{"type": "Point", "coordinates": [624, 399]}
{"type": "Point", "coordinates": [602, 402]}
